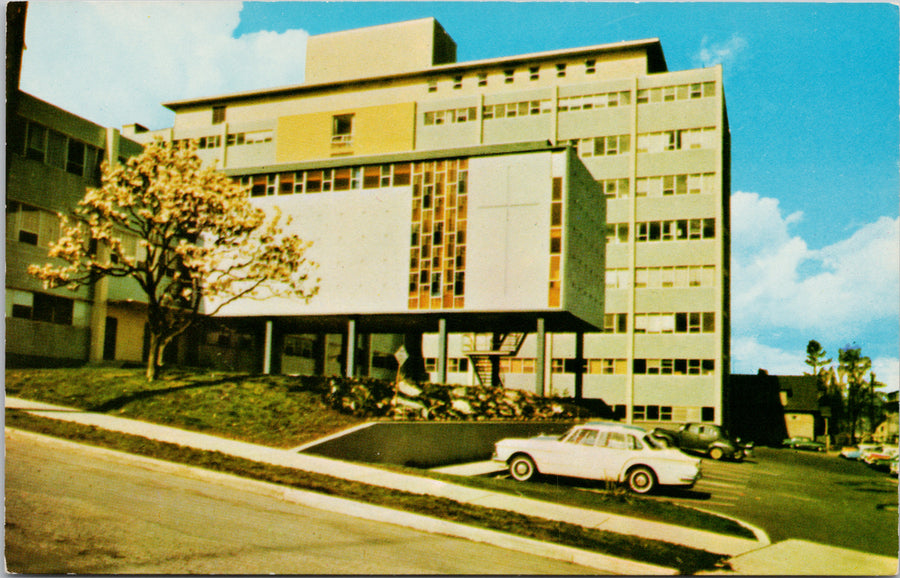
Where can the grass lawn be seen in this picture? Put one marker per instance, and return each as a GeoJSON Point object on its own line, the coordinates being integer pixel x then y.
{"type": "Point", "coordinates": [272, 410]}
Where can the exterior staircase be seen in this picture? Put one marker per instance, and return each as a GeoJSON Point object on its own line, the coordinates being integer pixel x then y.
{"type": "Point", "coordinates": [484, 350]}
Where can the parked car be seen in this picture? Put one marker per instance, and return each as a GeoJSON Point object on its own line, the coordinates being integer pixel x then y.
{"type": "Point", "coordinates": [600, 451]}
{"type": "Point", "coordinates": [855, 452]}
{"type": "Point", "coordinates": [804, 443]}
{"type": "Point", "coordinates": [708, 439]}
{"type": "Point", "coordinates": [880, 456]}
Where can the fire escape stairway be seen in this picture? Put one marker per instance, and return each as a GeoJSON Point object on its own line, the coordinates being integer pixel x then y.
{"type": "Point", "coordinates": [483, 353]}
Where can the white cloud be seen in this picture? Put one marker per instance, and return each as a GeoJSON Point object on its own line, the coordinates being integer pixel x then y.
{"type": "Point", "coordinates": [780, 286]}
{"type": "Point", "coordinates": [724, 53]}
{"type": "Point", "coordinates": [887, 371]}
{"type": "Point", "coordinates": [851, 283]}
{"type": "Point", "coordinates": [749, 356]}
{"type": "Point", "coordinates": [114, 62]}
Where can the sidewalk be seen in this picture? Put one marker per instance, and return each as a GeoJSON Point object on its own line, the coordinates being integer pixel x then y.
{"type": "Point", "coordinates": [727, 545]}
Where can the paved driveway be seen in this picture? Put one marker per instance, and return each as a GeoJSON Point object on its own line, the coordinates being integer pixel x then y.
{"type": "Point", "coordinates": [806, 495]}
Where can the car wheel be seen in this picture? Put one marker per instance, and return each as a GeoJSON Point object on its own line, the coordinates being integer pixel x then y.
{"type": "Point", "coordinates": [522, 468]}
{"type": "Point", "coordinates": [641, 480]}
{"type": "Point", "coordinates": [716, 453]}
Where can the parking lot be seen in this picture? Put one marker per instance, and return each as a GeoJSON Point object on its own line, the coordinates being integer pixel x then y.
{"type": "Point", "coordinates": [796, 494]}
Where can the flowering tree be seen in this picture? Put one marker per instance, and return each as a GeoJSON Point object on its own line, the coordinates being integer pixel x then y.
{"type": "Point", "coordinates": [188, 236]}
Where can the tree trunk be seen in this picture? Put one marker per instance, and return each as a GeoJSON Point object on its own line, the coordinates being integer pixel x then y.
{"type": "Point", "coordinates": [151, 358]}
{"type": "Point", "coordinates": [154, 357]}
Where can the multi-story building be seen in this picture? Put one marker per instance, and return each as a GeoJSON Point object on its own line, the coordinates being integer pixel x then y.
{"type": "Point", "coordinates": [556, 221]}
{"type": "Point", "coordinates": [53, 157]}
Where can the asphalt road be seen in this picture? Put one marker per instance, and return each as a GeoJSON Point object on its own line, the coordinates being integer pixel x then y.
{"type": "Point", "coordinates": [806, 495]}
{"type": "Point", "coordinates": [76, 512]}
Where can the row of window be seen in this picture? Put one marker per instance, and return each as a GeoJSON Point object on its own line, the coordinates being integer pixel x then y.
{"type": "Point", "coordinates": [575, 103]}
{"type": "Point", "coordinates": [509, 74]}
{"type": "Point", "coordinates": [451, 115]}
{"type": "Point", "coordinates": [663, 277]}
{"type": "Point", "coordinates": [231, 139]}
{"type": "Point", "coordinates": [514, 109]}
{"type": "Point", "coordinates": [694, 90]}
{"type": "Point", "coordinates": [43, 307]}
{"type": "Point", "coordinates": [326, 180]}
{"type": "Point", "coordinates": [454, 364]}
{"type": "Point", "coordinates": [600, 146]}
{"type": "Point", "coordinates": [693, 322]}
{"type": "Point", "coordinates": [652, 231]}
{"type": "Point", "coordinates": [672, 413]}
{"type": "Point", "coordinates": [676, 140]}
{"type": "Point", "coordinates": [592, 101]}
{"type": "Point", "coordinates": [660, 186]}
{"type": "Point", "coordinates": [679, 92]}
{"type": "Point", "coordinates": [682, 367]}
{"type": "Point", "coordinates": [53, 148]}
{"type": "Point", "coordinates": [690, 322]}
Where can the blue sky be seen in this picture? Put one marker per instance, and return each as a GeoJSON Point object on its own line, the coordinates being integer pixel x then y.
{"type": "Point", "coordinates": [812, 95]}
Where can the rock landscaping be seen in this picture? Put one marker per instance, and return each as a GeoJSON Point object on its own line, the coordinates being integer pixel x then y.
{"type": "Point", "coordinates": [429, 401]}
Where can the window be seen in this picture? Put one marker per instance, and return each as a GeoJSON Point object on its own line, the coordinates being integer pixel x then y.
{"type": "Point", "coordinates": [458, 365]}
{"type": "Point", "coordinates": [615, 323]}
{"type": "Point", "coordinates": [482, 79]}
{"type": "Point", "coordinates": [432, 85]}
{"type": "Point", "coordinates": [590, 66]}
{"type": "Point", "coordinates": [557, 365]}
{"type": "Point", "coordinates": [534, 72]}
{"type": "Point", "coordinates": [561, 69]}
{"type": "Point", "coordinates": [57, 149]}
{"type": "Point", "coordinates": [35, 146]}
{"type": "Point", "coordinates": [52, 309]}
{"type": "Point", "coordinates": [342, 129]}
{"type": "Point", "coordinates": [605, 145]}
{"type": "Point", "coordinates": [708, 414]}
{"type": "Point", "coordinates": [509, 75]}
{"type": "Point", "coordinates": [457, 81]}
{"type": "Point", "coordinates": [218, 114]}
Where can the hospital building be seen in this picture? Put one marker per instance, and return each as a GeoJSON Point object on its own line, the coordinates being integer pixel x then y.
{"type": "Point", "coordinates": [555, 221]}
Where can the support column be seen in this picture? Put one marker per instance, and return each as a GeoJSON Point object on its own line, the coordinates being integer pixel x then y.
{"type": "Point", "coordinates": [350, 348]}
{"type": "Point", "coordinates": [267, 348]}
{"type": "Point", "coordinates": [540, 361]}
{"type": "Point", "coordinates": [442, 351]}
{"type": "Point", "coordinates": [579, 365]}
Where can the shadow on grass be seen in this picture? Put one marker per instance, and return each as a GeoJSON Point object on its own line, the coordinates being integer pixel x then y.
{"type": "Point", "coordinates": [607, 487]}
{"type": "Point", "coordinates": [123, 400]}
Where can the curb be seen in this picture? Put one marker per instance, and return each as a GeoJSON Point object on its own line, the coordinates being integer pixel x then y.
{"type": "Point", "coordinates": [365, 511]}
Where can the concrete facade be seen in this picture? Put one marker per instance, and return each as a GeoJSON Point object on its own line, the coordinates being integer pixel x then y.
{"type": "Point", "coordinates": [54, 156]}
{"type": "Point", "coordinates": [655, 143]}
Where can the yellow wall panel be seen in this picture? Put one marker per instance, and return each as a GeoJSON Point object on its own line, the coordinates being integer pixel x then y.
{"type": "Point", "coordinates": [376, 130]}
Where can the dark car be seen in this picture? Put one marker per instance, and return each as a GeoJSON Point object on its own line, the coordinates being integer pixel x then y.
{"type": "Point", "coordinates": [803, 443]}
{"type": "Point", "coordinates": [709, 439]}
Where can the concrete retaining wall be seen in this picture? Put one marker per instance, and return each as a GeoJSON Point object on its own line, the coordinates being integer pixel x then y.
{"type": "Point", "coordinates": [428, 444]}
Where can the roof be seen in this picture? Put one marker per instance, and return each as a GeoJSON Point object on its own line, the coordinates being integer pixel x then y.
{"type": "Point", "coordinates": [656, 62]}
{"type": "Point", "coordinates": [617, 425]}
{"type": "Point", "coordinates": [803, 390]}
{"type": "Point", "coordinates": [410, 156]}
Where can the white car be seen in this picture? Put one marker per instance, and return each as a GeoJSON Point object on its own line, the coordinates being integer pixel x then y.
{"type": "Point", "coordinates": [601, 451]}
